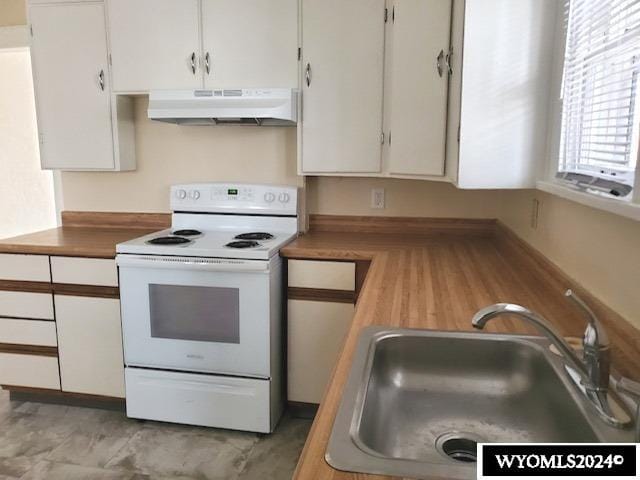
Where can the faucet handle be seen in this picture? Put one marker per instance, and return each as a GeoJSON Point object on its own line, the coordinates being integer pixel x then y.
{"type": "Point", "coordinates": [630, 387]}
{"type": "Point", "coordinates": [595, 334]}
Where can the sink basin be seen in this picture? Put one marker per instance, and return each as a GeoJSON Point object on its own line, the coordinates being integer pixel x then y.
{"type": "Point", "coordinates": [417, 401]}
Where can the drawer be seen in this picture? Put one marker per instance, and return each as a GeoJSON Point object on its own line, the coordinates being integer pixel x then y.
{"type": "Point", "coordinates": [316, 334]}
{"type": "Point", "coordinates": [28, 332]}
{"type": "Point", "coordinates": [206, 400]}
{"type": "Point", "coordinates": [29, 371]}
{"type": "Point", "coordinates": [320, 274]}
{"type": "Point", "coordinates": [26, 305]}
{"type": "Point", "coordinates": [26, 268]}
{"type": "Point", "coordinates": [84, 271]}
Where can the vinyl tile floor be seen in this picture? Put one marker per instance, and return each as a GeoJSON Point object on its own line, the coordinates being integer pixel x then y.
{"type": "Point", "coordinates": [52, 442]}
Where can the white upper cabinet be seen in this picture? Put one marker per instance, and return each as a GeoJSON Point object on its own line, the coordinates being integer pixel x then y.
{"type": "Point", "coordinates": [342, 85]}
{"type": "Point", "coordinates": [416, 90]}
{"type": "Point", "coordinates": [71, 80]}
{"type": "Point", "coordinates": [155, 44]}
{"type": "Point", "coordinates": [250, 43]}
{"type": "Point", "coordinates": [507, 73]}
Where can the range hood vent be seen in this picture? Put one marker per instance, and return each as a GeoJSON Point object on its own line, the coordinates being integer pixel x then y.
{"type": "Point", "coordinates": [255, 106]}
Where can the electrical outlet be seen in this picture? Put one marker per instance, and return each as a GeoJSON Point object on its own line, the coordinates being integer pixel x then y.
{"type": "Point", "coordinates": [535, 213]}
{"type": "Point", "coordinates": [377, 198]}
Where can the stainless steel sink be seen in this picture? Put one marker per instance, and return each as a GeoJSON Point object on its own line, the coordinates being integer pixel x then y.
{"type": "Point", "coordinates": [417, 401]}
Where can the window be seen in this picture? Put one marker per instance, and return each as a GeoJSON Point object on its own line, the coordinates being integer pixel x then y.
{"type": "Point", "coordinates": [27, 193]}
{"type": "Point", "coordinates": [600, 101]}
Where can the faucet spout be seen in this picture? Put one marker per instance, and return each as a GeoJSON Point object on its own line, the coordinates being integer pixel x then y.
{"type": "Point", "coordinates": [591, 373]}
{"type": "Point", "coordinates": [481, 318]}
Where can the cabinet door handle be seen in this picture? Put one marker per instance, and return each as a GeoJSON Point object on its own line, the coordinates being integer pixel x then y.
{"type": "Point", "coordinates": [307, 74]}
{"type": "Point", "coordinates": [447, 62]}
{"type": "Point", "coordinates": [101, 79]}
{"type": "Point", "coordinates": [439, 59]}
{"type": "Point", "coordinates": [207, 63]}
{"type": "Point", "coordinates": [193, 63]}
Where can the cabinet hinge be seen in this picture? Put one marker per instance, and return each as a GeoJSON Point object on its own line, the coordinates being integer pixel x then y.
{"type": "Point", "coordinates": [299, 54]}
{"type": "Point", "coordinates": [386, 14]}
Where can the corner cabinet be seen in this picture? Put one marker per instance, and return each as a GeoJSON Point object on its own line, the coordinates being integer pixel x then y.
{"type": "Point", "coordinates": [375, 82]}
{"type": "Point", "coordinates": [504, 92]}
{"type": "Point", "coordinates": [203, 44]}
{"type": "Point", "coordinates": [75, 110]}
{"type": "Point", "coordinates": [320, 307]}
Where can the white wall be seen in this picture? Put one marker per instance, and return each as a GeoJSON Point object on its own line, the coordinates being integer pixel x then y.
{"type": "Point", "coordinates": [405, 198]}
{"type": "Point", "coordinates": [26, 192]}
{"type": "Point", "coordinates": [600, 250]}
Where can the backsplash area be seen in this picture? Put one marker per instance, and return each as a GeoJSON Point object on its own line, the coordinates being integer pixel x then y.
{"type": "Point", "coordinates": [168, 154]}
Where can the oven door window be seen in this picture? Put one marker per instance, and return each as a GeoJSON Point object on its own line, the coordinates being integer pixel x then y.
{"type": "Point", "coordinates": [201, 314]}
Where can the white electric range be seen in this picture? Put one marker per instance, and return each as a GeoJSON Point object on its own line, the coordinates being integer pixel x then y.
{"type": "Point", "coordinates": [202, 308]}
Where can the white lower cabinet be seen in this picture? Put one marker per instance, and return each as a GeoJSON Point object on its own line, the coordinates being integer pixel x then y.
{"type": "Point", "coordinates": [24, 370]}
{"type": "Point", "coordinates": [18, 331]}
{"type": "Point", "coordinates": [26, 305]}
{"type": "Point", "coordinates": [90, 345]}
{"type": "Point", "coordinates": [316, 334]}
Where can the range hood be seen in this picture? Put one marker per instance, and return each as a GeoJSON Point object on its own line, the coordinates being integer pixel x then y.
{"type": "Point", "coordinates": [253, 106]}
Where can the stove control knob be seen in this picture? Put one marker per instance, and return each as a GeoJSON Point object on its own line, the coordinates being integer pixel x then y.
{"type": "Point", "coordinates": [283, 198]}
{"type": "Point", "coordinates": [194, 194]}
{"type": "Point", "coordinates": [181, 194]}
{"type": "Point", "coordinates": [269, 197]}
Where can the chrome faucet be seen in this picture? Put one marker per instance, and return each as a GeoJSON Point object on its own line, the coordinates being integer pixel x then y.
{"type": "Point", "coordinates": [589, 373]}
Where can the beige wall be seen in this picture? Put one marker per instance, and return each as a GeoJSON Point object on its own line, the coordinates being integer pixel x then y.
{"type": "Point", "coordinates": [598, 249]}
{"type": "Point", "coordinates": [12, 12]}
{"type": "Point", "coordinates": [26, 196]}
{"type": "Point", "coordinates": [411, 198]}
{"type": "Point", "coordinates": [169, 154]}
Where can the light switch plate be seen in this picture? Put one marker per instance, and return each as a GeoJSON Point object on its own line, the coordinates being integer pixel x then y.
{"type": "Point", "coordinates": [377, 198]}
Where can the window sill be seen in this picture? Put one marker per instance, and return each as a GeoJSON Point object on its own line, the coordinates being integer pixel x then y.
{"type": "Point", "coordinates": [618, 207]}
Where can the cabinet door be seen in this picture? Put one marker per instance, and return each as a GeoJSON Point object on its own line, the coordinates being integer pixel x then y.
{"type": "Point", "coordinates": [507, 80]}
{"type": "Point", "coordinates": [69, 53]}
{"type": "Point", "coordinates": [416, 97]}
{"type": "Point", "coordinates": [250, 43]}
{"type": "Point", "coordinates": [153, 44]}
{"type": "Point", "coordinates": [90, 345]}
{"type": "Point", "coordinates": [316, 334]}
{"type": "Point", "coordinates": [343, 50]}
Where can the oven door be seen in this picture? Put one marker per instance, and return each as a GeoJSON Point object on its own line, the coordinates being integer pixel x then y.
{"type": "Point", "coordinates": [196, 314]}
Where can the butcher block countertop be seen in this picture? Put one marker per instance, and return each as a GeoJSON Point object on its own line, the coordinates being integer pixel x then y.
{"type": "Point", "coordinates": [436, 277]}
{"type": "Point", "coordinates": [86, 234]}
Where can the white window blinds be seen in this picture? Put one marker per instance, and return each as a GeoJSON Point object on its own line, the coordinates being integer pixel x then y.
{"type": "Point", "coordinates": [600, 107]}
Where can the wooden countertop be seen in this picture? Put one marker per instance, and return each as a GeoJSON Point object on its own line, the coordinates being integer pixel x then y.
{"type": "Point", "coordinates": [439, 282]}
{"type": "Point", "coordinates": [71, 241]}
{"type": "Point", "coordinates": [86, 234]}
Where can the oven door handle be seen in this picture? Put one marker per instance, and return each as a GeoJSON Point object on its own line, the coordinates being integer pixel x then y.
{"type": "Point", "coordinates": [192, 263]}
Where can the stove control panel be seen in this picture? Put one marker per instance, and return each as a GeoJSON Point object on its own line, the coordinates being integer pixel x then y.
{"type": "Point", "coordinates": [234, 198]}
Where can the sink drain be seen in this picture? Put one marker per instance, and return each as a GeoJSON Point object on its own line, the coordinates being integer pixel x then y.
{"type": "Point", "coordinates": [458, 446]}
